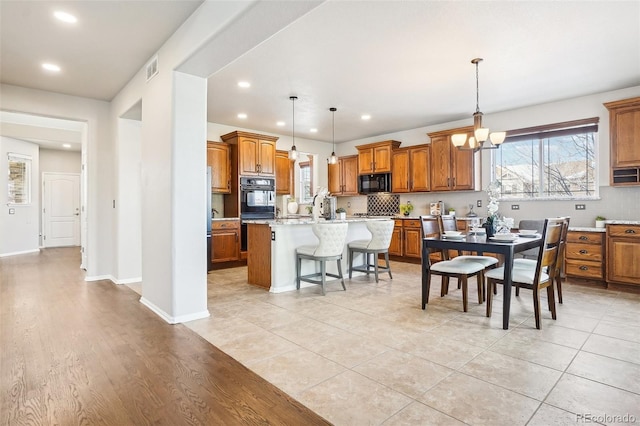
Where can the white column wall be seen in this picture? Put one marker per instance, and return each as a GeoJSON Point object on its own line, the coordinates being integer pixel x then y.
{"type": "Point", "coordinates": [128, 255]}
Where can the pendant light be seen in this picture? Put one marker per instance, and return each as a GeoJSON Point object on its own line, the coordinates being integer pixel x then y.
{"type": "Point", "coordinates": [480, 134]}
{"type": "Point", "coordinates": [293, 153]}
{"type": "Point", "coordinates": [333, 159]}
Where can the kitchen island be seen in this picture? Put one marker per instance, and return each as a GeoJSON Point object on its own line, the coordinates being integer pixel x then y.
{"type": "Point", "coordinates": [271, 247]}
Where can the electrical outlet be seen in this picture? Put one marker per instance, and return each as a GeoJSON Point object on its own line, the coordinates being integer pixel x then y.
{"type": "Point", "coordinates": [581, 207]}
{"type": "Point", "coordinates": [479, 203]}
{"type": "Point", "coordinates": [515, 206]}
{"type": "Point", "coordinates": [12, 211]}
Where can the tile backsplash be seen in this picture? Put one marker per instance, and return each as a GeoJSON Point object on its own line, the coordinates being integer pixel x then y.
{"type": "Point", "coordinates": [383, 204]}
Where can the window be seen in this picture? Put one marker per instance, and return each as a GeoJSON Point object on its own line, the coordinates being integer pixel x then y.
{"type": "Point", "coordinates": [556, 161]}
{"type": "Point", "coordinates": [19, 181]}
{"type": "Point", "coordinates": [306, 182]}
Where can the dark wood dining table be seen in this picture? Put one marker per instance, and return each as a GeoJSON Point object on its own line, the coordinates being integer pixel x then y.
{"type": "Point", "coordinates": [480, 244]}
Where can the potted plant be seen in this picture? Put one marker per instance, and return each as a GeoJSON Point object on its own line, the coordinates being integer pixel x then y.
{"type": "Point", "coordinates": [406, 209]}
{"type": "Point", "coordinates": [452, 211]}
{"type": "Point", "coordinates": [600, 221]}
{"type": "Point", "coordinates": [342, 213]}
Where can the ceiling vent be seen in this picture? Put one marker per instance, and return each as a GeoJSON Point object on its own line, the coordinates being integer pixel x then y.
{"type": "Point", "coordinates": [152, 68]}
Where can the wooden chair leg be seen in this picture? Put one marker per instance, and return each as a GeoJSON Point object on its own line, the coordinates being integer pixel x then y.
{"type": "Point", "coordinates": [491, 285]}
{"type": "Point", "coordinates": [552, 301]}
{"type": "Point", "coordinates": [480, 281]}
{"type": "Point", "coordinates": [465, 291]}
{"type": "Point", "coordinates": [536, 306]}
{"type": "Point", "coordinates": [558, 282]}
{"type": "Point", "coordinates": [517, 291]}
{"type": "Point", "coordinates": [425, 291]}
{"type": "Point", "coordinates": [444, 287]}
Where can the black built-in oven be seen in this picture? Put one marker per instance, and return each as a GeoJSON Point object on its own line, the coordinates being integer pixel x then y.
{"type": "Point", "coordinates": [257, 201]}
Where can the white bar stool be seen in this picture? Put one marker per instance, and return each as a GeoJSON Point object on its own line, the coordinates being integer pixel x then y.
{"type": "Point", "coordinates": [381, 233]}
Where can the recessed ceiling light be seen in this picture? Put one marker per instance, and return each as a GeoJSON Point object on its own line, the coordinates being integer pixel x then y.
{"type": "Point", "coordinates": [366, 117]}
{"type": "Point", "coordinates": [242, 115]}
{"type": "Point", "coordinates": [280, 123]}
{"type": "Point", "coordinates": [313, 130]}
{"type": "Point", "coordinates": [51, 67]}
{"type": "Point", "coordinates": [66, 145]}
{"type": "Point", "coordinates": [65, 17]}
{"type": "Point", "coordinates": [244, 84]}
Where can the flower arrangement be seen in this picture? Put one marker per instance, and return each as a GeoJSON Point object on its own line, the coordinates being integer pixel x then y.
{"type": "Point", "coordinates": [405, 209]}
{"type": "Point", "coordinates": [493, 191]}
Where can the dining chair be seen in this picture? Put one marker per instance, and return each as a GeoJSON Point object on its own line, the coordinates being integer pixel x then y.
{"type": "Point", "coordinates": [449, 223]}
{"type": "Point", "coordinates": [331, 237]}
{"type": "Point", "coordinates": [381, 233]}
{"type": "Point", "coordinates": [461, 269]}
{"type": "Point", "coordinates": [532, 224]}
{"type": "Point", "coordinates": [556, 276]}
{"type": "Point", "coordinates": [538, 278]}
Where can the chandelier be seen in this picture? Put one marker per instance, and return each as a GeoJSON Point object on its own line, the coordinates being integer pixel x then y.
{"type": "Point", "coordinates": [333, 159]}
{"type": "Point", "coordinates": [480, 134]}
{"type": "Point", "coordinates": [293, 153]}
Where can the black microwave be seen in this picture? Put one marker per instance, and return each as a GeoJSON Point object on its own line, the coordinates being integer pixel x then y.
{"type": "Point", "coordinates": [371, 184]}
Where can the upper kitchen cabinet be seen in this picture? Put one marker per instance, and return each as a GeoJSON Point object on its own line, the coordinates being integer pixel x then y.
{"type": "Point", "coordinates": [218, 159]}
{"type": "Point", "coordinates": [284, 173]}
{"type": "Point", "coordinates": [452, 169]}
{"type": "Point", "coordinates": [411, 169]}
{"type": "Point", "coordinates": [343, 176]}
{"type": "Point", "coordinates": [376, 157]}
{"type": "Point", "coordinates": [255, 154]}
{"type": "Point", "coordinates": [624, 130]}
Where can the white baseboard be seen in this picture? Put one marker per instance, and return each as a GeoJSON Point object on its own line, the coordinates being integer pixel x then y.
{"type": "Point", "coordinates": [128, 280]}
{"type": "Point", "coordinates": [170, 319]}
{"type": "Point", "coordinates": [100, 278]}
{"type": "Point", "coordinates": [15, 253]}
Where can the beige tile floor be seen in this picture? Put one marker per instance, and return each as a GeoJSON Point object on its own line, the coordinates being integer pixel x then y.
{"type": "Point", "coordinates": [371, 356]}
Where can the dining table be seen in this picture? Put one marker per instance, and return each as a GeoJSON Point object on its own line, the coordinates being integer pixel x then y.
{"type": "Point", "coordinates": [480, 244]}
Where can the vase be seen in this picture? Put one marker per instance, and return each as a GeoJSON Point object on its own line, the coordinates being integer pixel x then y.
{"type": "Point", "coordinates": [406, 213]}
{"type": "Point", "coordinates": [489, 229]}
{"type": "Point", "coordinates": [292, 207]}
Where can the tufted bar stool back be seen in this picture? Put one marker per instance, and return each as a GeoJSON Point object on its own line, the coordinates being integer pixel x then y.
{"type": "Point", "coordinates": [381, 233]}
{"type": "Point", "coordinates": [331, 237]}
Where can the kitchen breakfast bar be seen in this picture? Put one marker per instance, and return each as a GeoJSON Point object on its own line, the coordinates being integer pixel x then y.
{"type": "Point", "coordinates": [271, 250]}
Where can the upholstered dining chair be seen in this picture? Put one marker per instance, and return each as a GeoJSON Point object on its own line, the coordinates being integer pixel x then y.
{"type": "Point", "coordinates": [461, 269]}
{"type": "Point", "coordinates": [556, 275]}
{"type": "Point", "coordinates": [532, 224]}
{"type": "Point", "coordinates": [449, 223]}
{"type": "Point", "coordinates": [332, 237]}
{"type": "Point", "coordinates": [539, 277]}
{"type": "Point", "coordinates": [381, 233]}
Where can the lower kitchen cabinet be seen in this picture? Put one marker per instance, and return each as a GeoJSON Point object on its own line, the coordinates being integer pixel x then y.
{"type": "Point", "coordinates": [406, 240]}
{"type": "Point", "coordinates": [395, 247]}
{"type": "Point", "coordinates": [584, 255]}
{"type": "Point", "coordinates": [623, 254]}
{"type": "Point", "coordinates": [225, 241]}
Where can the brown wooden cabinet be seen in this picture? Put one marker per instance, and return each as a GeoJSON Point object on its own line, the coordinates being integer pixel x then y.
{"type": "Point", "coordinates": [395, 247]}
{"type": "Point", "coordinates": [218, 159]}
{"type": "Point", "coordinates": [584, 255]}
{"type": "Point", "coordinates": [225, 240]}
{"type": "Point", "coordinates": [284, 173]}
{"type": "Point", "coordinates": [410, 168]}
{"type": "Point", "coordinates": [624, 144]}
{"type": "Point", "coordinates": [623, 254]}
{"type": "Point", "coordinates": [255, 154]}
{"type": "Point", "coordinates": [376, 157]}
{"type": "Point", "coordinates": [406, 240]}
{"type": "Point", "coordinates": [451, 169]}
{"type": "Point", "coordinates": [343, 176]}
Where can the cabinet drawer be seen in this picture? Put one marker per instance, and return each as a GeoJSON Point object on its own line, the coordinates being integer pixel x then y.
{"type": "Point", "coordinates": [225, 224]}
{"type": "Point", "coordinates": [632, 231]}
{"type": "Point", "coordinates": [398, 223]}
{"type": "Point", "coordinates": [585, 237]}
{"type": "Point", "coordinates": [584, 269]}
{"type": "Point", "coordinates": [592, 252]}
{"type": "Point", "coordinates": [412, 223]}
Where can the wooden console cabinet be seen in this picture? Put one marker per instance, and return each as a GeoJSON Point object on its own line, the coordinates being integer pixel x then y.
{"type": "Point", "coordinates": [623, 254]}
{"type": "Point", "coordinates": [584, 255]}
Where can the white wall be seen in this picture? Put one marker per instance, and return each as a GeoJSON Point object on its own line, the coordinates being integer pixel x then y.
{"type": "Point", "coordinates": [19, 232]}
{"type": "Point", "coordinates": [614, 202]}
{"type": "Point", "coordinates": [58, 161]}
{"type": "Point", "coordinates": [99, 166]}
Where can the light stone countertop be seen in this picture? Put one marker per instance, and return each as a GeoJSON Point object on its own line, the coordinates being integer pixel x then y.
{"type": "Point", "coordinates": [310, 221]}
{"type": "Point", "coordinates": [215, 219]}
{"type": "Point", "coordinates": [586, 229]}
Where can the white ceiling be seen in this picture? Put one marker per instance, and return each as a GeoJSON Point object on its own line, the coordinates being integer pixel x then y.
{"type": "Point", "coordinates": [407, 63]}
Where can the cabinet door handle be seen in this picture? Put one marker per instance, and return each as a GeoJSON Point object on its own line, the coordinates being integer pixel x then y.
{"type": "Point", "coordinates": [448, 181]}
{"type": "Point", "coordinates": [371, 165]}
{"type": "Point", "coordinates": [629, 231]}
{"type": "Point", "coordinates": [583, 238]}
{"type": "Point", "coordinates": [583, 251]}
{"type": "Point", "coordinates": [583, 268]}
{"type": "Point", "coordinates": [454, 182]}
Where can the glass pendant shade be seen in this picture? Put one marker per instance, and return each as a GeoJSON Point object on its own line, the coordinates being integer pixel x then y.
{"type": "Point", "coordinates": [293, 152]}
{"type": "Point", "coordinates": [333, 159]}
{"type": "Point", "coordinates": [481, 134]}
{"type": "Point", "coordinates": [458, 139]}
{"type": "Point", "coordinates": [497, 137]}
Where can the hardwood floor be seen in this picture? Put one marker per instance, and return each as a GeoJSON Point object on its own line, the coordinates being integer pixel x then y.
{"type": "Point", "coordinates": [73, 352]}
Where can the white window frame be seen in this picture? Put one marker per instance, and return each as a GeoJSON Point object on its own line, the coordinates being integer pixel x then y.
{"type": "Point", "coordinates": [26, 179]}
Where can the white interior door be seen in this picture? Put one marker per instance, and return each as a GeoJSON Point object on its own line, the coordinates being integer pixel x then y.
{"type": "Point", "coordinates": [61, 209]}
